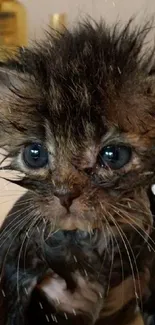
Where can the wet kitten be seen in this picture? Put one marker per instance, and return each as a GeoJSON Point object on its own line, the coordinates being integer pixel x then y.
{"type": "Point", "coordinates": [77, 118]}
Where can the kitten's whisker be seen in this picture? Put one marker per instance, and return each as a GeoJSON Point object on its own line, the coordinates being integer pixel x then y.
{"type": "Point", "coordinates": [137, 271]}
{"type": "Point", "coordinates": [121, 259]}
{"type": "Point", "coordinates": [23, 223]}
{"type": "Point", "coordinates": [9, 201]}
{"type": "Point", "coordinates": [13, 228]}
{"type": "Point", "coordinates": [120, 254]}
{"type": "Point", "coordinates": [139, 232]}
{"type": "Point", "coordinates": [121, 215]}
{"type": "Point", "coordinates": [108, 226]}
{"type": "Point", "coordinates": [103, 260]}
{"type": "Point", "coordinates": [7, 228]}
{"type": "Point", "coordinates": [112, 261]}
{"type": "Point", "coordinates": [8, 195]}
{"type": "Point", "coordinates": [134, 209]}
{"type": "Point", "coordinates": [28, 239]}
{"type": "Point", "coordinates": [137, 225]}
{"type": "Point", "coordinates": [128, 254]}
{"type": "Point", "coordinates": [23, 202]}
{"type": "Point", "coordinates": [106, 243]}
{"type": "Point", "coordinates": [20, 252]}
{"type": "Point", "coordinates": [132, 220]}
{"type": "Point", "coordinates": [145, 233]}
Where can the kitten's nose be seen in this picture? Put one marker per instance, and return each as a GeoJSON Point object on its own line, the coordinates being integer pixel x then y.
{"type": "Point", "coordinates": [67, 198]}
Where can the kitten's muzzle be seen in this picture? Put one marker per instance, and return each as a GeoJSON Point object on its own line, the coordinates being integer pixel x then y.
{"type": "Point", "coordinates": [66, 197]}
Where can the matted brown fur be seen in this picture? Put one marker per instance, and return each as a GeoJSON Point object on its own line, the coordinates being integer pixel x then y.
{"type": "Point", "coordinates": [75, 94]}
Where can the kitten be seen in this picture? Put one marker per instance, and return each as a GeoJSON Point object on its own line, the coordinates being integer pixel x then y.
{"type": "Point", "coordinates": [77, 122]}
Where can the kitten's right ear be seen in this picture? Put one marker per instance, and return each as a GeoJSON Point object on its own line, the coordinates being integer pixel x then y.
{"type": "Point", "coordinates": [10, 78]}
{"type": "Point", "coordinates": [4, 78]}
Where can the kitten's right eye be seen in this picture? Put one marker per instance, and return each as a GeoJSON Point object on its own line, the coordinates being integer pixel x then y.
{"type": "Point", "coordinates": [35, 156]}
{"type": "Point", "coordinates": [114, 156]}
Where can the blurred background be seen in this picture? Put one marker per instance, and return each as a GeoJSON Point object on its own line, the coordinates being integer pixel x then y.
{"type": "Point", "coordinates": [23, 21]}
{"type": "Point", "coordinates": [39, 11]}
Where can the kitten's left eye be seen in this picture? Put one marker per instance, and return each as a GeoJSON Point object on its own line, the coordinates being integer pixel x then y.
{"type": "Point", "coordinates": [35, 156]}
{"type": "Point", "coordinates": [114, 156]}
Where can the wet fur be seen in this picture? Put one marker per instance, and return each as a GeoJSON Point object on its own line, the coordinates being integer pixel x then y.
{"type": "Point", "coordinates": [77, 92]}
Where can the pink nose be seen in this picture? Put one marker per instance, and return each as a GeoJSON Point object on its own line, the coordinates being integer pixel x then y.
{"type": "Point", "coordinates": [67, 198]}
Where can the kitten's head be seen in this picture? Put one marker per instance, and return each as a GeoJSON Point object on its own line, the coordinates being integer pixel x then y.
{"type": "Point", "coordinates": [78, 119]}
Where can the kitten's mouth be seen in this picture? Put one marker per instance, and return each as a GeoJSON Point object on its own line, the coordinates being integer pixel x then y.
{"type": "Point", "coordinates": [73, 222]}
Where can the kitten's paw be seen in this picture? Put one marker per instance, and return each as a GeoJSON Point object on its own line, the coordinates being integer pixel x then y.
{"type": "Point", "coordinates": [87, 298]}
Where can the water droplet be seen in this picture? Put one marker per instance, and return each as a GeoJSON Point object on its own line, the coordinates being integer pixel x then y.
{"type": "Point", "coordinates": [3, 293]}
{"type": "Point", "coordinates": [52, 318]}
{"type": "Point", "coordinates": [74, 312]}
{"type": "Point", "coordinates": [65, 315]}
{"type": "Point", "coordinates": [100, 294]}
{"type": "Point", "coordinates": [119, 70]}
{"type": "Point", "coordinates": [86, 274]}
{"type": "Point", "coordinates": [23, 48]}
{"type": "Point", "coordinates": [53, 182]}
{"type": "Point", "coordinates": [40, 304]}
{"type": "Point", "coordinates": [58, 301]}
{"type": "Point", "coordinates": [75, 259]}
{"type": "Point", "coordinates": [56, 321]}
{"type": "Point", "coordinates": [47, 318]}
{"type": "Point", "coordinates": [129, 205]}
{"type": "Point", "coordinates": [27, 234]}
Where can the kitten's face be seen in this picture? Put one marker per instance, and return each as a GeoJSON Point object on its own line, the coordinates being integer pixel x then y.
{"type": "Point", "coordinates": [80, 125]}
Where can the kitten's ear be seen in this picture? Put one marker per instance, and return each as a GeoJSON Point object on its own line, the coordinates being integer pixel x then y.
{"type": "Point", "coordinates": [5, 79]}
{"type": "Point", "coordinates": [10, 78]}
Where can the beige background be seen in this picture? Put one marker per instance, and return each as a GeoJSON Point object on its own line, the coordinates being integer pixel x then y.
{"type": "Point", "coordinates": [39, 12]}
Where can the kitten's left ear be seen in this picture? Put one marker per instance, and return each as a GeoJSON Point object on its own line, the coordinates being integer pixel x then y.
{"type": "Point", "coordinates": [10, 78]}
{"type": "Point", "coordinates": [6, 77]}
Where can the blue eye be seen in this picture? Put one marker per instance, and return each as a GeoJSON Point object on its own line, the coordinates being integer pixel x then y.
{"type": "Point", "coordinates": [114, 156]}
{"type": "Point", "coordinates": [35, 156]}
